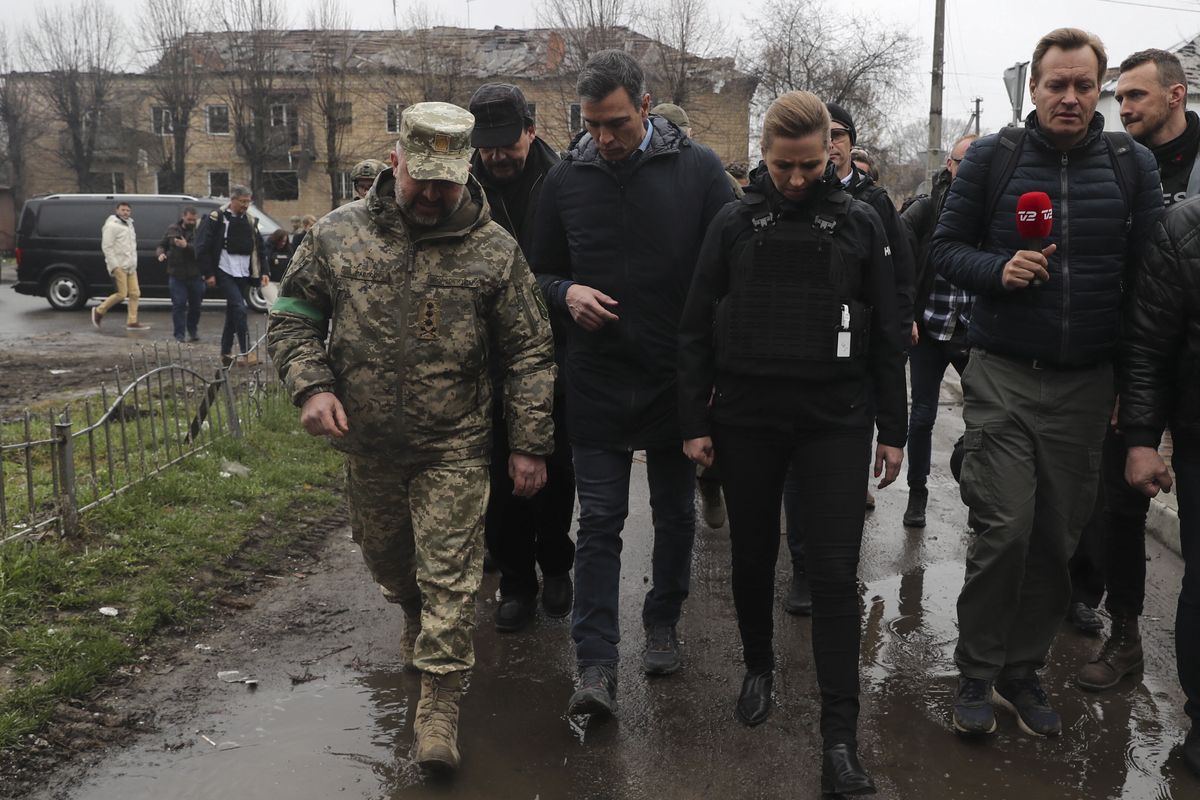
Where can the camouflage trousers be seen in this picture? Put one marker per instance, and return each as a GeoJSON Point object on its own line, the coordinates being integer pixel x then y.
{"type": "Point", "coordinates": [421, 533]}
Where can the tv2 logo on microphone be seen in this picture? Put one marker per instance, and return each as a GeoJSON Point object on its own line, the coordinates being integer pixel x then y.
{"type": "Point", "coordinates": [1047, 215]}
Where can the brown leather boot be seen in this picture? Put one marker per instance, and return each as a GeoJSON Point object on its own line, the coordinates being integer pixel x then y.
{"type": "Point", "coordinates": [1121, 655]}
{"type": "Point", "coordinates": [436, 723]}
{"type": "Point", "coordinates": [409, 633]}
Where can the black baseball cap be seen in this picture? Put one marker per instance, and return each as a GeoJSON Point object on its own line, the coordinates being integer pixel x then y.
{"type": "Point", "coordinates": [501, 114]}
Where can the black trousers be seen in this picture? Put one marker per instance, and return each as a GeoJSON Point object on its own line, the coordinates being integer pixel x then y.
{"type": "Point", "coordinates": [832, 470]}
{"type": "Point", "coordinates": [525, 533]}
{"type": "Point", "coordinates": [1112, 548]}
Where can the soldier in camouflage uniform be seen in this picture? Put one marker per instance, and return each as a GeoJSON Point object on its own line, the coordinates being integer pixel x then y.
{"type": "Point", "coordinates": [363, 175]}
{"type": "Point", "coordinates": [416, 288]}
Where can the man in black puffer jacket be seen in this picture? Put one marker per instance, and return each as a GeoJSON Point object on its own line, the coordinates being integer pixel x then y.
{"type": "Point", "coordinates": [1038, 390]}
{"type": "Point", "coordinates": [1159, 373]}
{"type": "Point", "coordinates": [620, 224]}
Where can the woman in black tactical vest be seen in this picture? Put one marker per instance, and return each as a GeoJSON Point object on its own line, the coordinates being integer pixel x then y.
{"type": "Point", "coordinates": [788, 357]}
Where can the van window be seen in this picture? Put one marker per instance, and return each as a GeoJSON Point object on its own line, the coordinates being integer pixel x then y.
{"type": "Point", "coordinates": [151, 219]}
{"type": "Point", "coordinates": [72, 219]}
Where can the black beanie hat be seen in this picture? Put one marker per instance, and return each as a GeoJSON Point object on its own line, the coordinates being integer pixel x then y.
{"type": "Point", "coordinates": [839, 114]}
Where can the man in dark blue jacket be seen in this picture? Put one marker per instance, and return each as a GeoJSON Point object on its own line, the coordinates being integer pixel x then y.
{"type": "Point", "coordinates": [1038, 390]}
{"type": "Point", "coordinates": [619, 229]}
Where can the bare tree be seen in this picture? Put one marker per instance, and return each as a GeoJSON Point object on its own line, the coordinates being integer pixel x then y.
{"type": "Point", "coordinates": [331, 60]}
{"type": "Point", "coordinates": [178, 78]}
{"type": "Point", "coordinates": [78, 50]}
{"type": "Point", "coordinates": [20, 122]}
{"type": "Point", "coordinates": [860, 63]}
{"type": "Point", "coordinates": [434, 57]}
{"type": "Point", "coordinates": [587, 26]}
{"type": "Point", "coordinates": [251, 39]}
{"type": "Point", "coordinates": [686, 35]}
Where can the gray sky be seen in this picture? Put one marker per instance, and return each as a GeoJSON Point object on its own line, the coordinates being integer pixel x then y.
{"type": "Point", "coordinates": [982, 38]}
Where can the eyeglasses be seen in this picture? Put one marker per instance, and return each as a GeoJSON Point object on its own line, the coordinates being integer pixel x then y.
{"type": "Point", "coordinates": [838, 134]}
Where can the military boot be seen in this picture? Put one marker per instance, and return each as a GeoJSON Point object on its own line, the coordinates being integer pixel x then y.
{"type": "Point", "coordinates": [436, 726]}
{"type": "Point", "coordinates": [1121, 655]}
{"type": "Point", "coordinates": [409, 633]}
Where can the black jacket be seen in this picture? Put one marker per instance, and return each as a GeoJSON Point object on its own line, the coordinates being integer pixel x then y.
{"type": "Point", "coordinates": [862, 187]}
{"type": "Point", "coordinates": [518, 215]}
{"type": "Point", "coordinates": [210, 241]}
{"type": "Point", "coordinates": [1159, 368]}
{"type": "Point", "coordinates": [1073, 318]}
{"type": "Point", "coordinates": [828, 395]}
{"type": "Point", "coordinates": [278, 259]}
{"type": "Point", "coordinates": [633, 231]}
{"type": "Point", "coordinates": [920, 219]}
{"type": "Point", "coordinates": [181, 261]}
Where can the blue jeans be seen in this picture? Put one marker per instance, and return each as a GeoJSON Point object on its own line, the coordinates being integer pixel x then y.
{"type": "Point", "coordinates": [1186, 462]}
{"type": "Point", "coordinates": [602, 480]}
{"type": "Point", "coordinates": [235, 312]}
{"type": "Point", "coordinates": [927, 366]}
{"type": "Point", "coordinates": [186, 296]}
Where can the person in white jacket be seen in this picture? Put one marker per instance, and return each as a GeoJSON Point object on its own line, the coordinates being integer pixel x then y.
{"type": "Point", "coordinates": [119, 243]}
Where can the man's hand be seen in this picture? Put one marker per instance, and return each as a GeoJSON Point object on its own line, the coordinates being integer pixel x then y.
{"type": "Point", "coordinates": [588, 307]}
{"type": "Point", "coordinates": [264, 280]}
{"type": "Point", "coordinates": [162, 256]}
{"type": "Point", "coordinates": [1146, 471]}
{"type": "Point", "coordinates": [891, 458]}
{"type": "Point", "coordinates": [699, 450]}
{"type": "Point", "coordinates": [528, 474]}
{"type": "Point", "coordinates": [1026, 267]}
{"type": "Point", "coordinates": [180, 241]}
{"type": "Point", "coordinates": [323, 415]}
{"type": "Point", "coordinates": [915, 336]}
{"type": "Point", "coordinates": [210, 281]}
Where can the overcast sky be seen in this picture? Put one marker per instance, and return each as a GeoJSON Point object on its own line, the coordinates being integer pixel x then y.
{"type": "Point", "coordinates": [982, 38]}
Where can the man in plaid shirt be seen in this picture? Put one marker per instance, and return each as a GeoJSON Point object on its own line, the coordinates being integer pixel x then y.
{"type": "Point", "coordinates": [942, 312]}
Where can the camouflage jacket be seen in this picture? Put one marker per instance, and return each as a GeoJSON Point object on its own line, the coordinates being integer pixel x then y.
{"type": "Point", "coordinates": [412, 317]}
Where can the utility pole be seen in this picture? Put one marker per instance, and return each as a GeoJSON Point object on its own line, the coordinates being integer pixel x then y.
{"type": "Point", "coordinates": [935, 93]}
{"type": "Point", "coordinates": [978, 103]}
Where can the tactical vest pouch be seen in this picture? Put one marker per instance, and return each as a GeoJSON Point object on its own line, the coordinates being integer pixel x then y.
{"type": "Point", "coordinates": [239, 236]}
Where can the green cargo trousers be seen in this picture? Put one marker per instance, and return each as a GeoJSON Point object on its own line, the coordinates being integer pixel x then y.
{"type": "Point", "coordinates": [421, 533]}
{"type": "Point", "coordinates": [1029, 477]}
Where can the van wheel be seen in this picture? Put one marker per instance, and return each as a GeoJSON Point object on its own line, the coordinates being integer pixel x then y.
{"type": "Point", "coordinates": [255, 299]}
{"type": "Point", "coordinates": [65, 291]}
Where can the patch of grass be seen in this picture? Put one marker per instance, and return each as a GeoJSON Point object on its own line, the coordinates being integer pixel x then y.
{"type": "Point", "coordinates": [150, 553]}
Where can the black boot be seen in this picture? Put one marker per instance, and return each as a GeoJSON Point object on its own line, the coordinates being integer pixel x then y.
{"type": "Point", "coordinates": [1191, 749]}
{"type": "Point", "coordinates": [799, 599]}
{"type": "Point", "coordinates": [842, 774]}
{"type": "Point", "coordinates": [914, 515]}
{"type": "Point", "coordinates": [754, 703]}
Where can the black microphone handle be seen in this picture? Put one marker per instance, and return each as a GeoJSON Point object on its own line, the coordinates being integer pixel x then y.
{"type": "Point", "coordinates": [1036, 245]}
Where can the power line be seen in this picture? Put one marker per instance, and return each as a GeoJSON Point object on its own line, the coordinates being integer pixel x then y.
{"type": "Point", "coordinates": [1150, 5]}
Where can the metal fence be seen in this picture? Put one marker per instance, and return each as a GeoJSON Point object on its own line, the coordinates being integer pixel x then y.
{"type": "Point", "coordinates": [168, 404]}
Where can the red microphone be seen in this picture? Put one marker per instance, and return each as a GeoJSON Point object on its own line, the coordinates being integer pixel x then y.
{"type": "Point", "coordinates": [1035, 219]}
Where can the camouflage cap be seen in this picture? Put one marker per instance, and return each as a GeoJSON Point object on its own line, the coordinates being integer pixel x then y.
{"type": "Point", "coordinates": [366, 169]}
{"type": "Point", "coordinates": [436, 139]}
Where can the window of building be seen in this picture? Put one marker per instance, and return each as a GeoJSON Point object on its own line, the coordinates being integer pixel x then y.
{"type": "Point", "coordinates": [345, 186]}
{"type": "Point", "coordinates": [282, 114]}
{"type": "Point", "coordinates": [107, 182]}
{"type": "Point", "coordinates": [576, 118]}
{"type": "Point", "coordinates": [343, 113]}
{"type": "Point", "coordinates": [281, 185]}
{"type": "Point", "coordinates": [218, 184]}
{"type": "Point", "coordinates": [218, 119]}
{"type": "Point", "coordinates": [393, 117]}
{"type": "Point", "coordinates": [161, 121]}
{"type": "Point", "coordinates": [533, 112]}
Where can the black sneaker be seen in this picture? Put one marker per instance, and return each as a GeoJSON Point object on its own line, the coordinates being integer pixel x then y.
{"type": "Point", "coordinates": [557, 595]}
{"type": "Point", "coordinates": [1025, 698]}
{"type": "Point", "coordinates": [1085, 619]}
{"type": "Point", "coordinates": [973, 713]}
{"type": "Point", "coordinates": [513, 614]}
{"type": "Point", "coordinates": [597, 692]}
{"type": "Point", "coordinates": [799, 599]}
{"type": "Point", "coordinates": [662, 650]}
{"type": "Point", "coordinates": [914, 515]}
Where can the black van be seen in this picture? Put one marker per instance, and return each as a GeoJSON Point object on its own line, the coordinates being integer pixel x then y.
{"type": "Point", "coordinates": [58, 245]}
